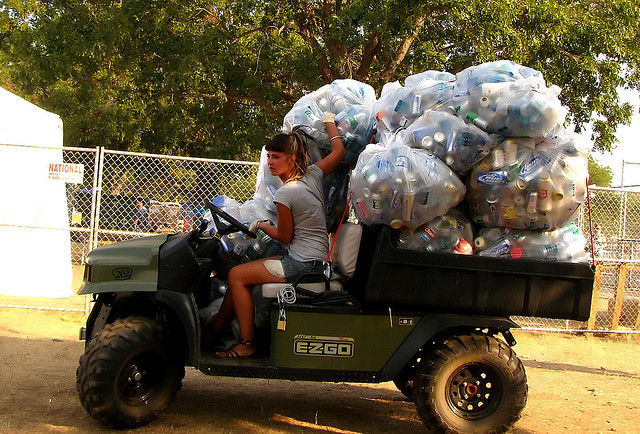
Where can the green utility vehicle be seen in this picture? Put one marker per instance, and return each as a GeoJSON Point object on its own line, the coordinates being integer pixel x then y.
{"type": "Point", "coordinates": [436, 324]}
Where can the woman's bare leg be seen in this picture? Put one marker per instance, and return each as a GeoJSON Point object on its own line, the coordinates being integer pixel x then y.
{"type": "Point", "coordinates": [241, 279]}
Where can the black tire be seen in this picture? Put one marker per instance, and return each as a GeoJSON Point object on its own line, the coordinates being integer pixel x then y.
{"type": "Point", "coordinates": [128, 374]}
{"type": "Point", "coordinates": [470, 384]}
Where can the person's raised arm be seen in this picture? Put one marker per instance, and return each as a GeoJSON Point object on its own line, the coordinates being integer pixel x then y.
{"type": "Point", "coordinates": [331, 161]}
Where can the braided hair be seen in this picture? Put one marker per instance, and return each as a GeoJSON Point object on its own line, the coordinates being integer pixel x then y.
{"type": "Point", "coordinates": [292, 144]}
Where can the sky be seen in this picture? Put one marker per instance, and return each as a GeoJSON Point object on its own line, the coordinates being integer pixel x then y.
{"type": "Point", "coordinates": [628, 148]}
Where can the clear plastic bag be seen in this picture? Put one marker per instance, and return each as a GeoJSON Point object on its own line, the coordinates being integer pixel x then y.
{"type": "Point", "coordinates": [528, 186]}
{"type": "Point", "coordinates": [403, 187]}
{"type": "Point", "coordinates": [514, 109]}
{"type": "Point", "coordinates": [337, 97]}
{"type": "Point", "coordinates": [448, 137]}
{"type": "Point", "coordinates": [450, 233]}
{"type": "Point", "coordinates": [566, 244]}
{"type": "Point", "coordinates": [399, 107]}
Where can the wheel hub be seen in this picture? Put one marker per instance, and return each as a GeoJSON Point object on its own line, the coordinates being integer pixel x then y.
{"type": "Point", "coordinates": [139, 380]}
{"type": "Point", "coordinates": [135, 375]}
{"type": "Point", "coordinates": [472, 391]}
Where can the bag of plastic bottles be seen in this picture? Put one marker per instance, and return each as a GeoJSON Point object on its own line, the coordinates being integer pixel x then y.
{"type": "Point", "coordinates": [336, 97]}
{"type": "Point", "coordinates": [448, 137]}
{"type": "Point", "coordinates": [509, 99]}
{"type": "Point", "coordinates": [450, 233]}
{"type": "Point", "coordinates": [426, 91]}
{"type": "Point", "coordinates": [514, 109]}
{"type": "Point", "coordinates": [521, 185]}
{"type": "Point", "coordinates": [499, 71]}
{"type": "Point", "coordinates": [400, 186]}
{"type": "Point", "coordinates": [355, 125]}
{"type": "Point", "coordinates": [566, 244]}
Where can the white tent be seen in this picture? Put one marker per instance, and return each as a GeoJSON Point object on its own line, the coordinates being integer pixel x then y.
{"type": "Point", "coordinates": [35, 250]}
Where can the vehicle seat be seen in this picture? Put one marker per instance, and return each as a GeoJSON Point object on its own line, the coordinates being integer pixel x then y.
{"type": "Point", "coordinates": [343, 257]}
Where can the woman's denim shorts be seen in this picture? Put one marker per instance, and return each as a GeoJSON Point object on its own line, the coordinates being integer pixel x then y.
{"type": "Point", "coordinates": [292, 269]}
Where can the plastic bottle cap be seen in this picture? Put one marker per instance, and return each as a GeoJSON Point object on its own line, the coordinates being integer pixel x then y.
{"type": "Point", "coordinates": [516, 253]}
{"type": "Point", "coordinates": [440, 137]}
{"type": "Point", "coordinates": [396, 224]}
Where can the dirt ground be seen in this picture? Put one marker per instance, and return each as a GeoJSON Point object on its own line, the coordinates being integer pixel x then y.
{"type": "Point", "coordinates": [577, 384]}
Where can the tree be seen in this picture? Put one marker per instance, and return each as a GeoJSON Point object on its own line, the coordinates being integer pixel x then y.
{"type": "Point", "coordinates": [599, 175]}
{"type": "Point", "coordinates": [215, 78]}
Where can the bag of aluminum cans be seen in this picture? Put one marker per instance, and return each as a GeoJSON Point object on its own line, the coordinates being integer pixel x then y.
{"type": "Point", "coordinates": [528, 186]}
{"type": "Point", "coordinates": [566, 244]}
{"type": "Point", "coordinates": [400, 106]}
{"type": "Point", "coordinates": [402, 187]}
{"type": "Point", "coordinates": [458, 144]}
{"type": "Point", "coordinates": [509, 99]}
{"type": "Point", "coordinates": [351, 101]}
{"type": "Point", "coordinates": [449, 233]}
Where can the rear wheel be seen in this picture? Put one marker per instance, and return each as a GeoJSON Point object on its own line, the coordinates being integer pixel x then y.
{"type": "Point", "coordinates": [128, 373]}
{"type": "Point", "coordinates": [470, 383]}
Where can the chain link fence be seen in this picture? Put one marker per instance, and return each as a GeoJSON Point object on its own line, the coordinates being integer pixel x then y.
{"type": "Point", "coordinates": [125, 195]}
{"type": "Point", "coordinates": [140, 194]}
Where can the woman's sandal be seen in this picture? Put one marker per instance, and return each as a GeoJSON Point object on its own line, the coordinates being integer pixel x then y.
{"type": "Point", "coordinates": [230, 353]}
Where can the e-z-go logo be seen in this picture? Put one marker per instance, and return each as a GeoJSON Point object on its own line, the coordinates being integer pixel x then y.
{"type": "Point", "coordinates": [327, 346]}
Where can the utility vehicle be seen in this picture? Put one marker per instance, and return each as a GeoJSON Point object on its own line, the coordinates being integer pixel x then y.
{"type": "Point", "coordinates": [436, 324]}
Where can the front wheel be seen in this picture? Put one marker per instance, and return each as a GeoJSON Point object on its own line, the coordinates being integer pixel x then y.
{"type": "Point", "coordinates": [128, 373]}
{"type": "Point", "coordinates": [470, 383]}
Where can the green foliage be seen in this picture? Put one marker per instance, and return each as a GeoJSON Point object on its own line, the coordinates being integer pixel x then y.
{"type": "Point", "coordinates": [216, 78]}
{"type": "Point", "coordinates": [599, 175]}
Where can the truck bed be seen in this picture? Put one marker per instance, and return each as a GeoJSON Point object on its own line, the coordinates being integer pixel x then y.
{"type": "Point", "coordinates": [387, 276]}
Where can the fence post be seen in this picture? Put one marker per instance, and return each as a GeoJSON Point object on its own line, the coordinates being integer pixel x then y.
{"type": "Point", "coordinates": [96, 197]}
{"type": "Point", "coordinates": [622, 282]}
{"type": "Point", "coordinates": [595, 297]}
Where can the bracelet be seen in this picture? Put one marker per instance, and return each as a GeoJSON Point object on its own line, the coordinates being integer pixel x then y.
{"type": "Point", "coordinates": [258, 225]}
{"type": "Point", "coordinates": [334, 137]}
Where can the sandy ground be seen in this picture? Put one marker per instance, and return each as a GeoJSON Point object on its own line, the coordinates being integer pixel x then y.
{"type": "Point", "coordinates": [577, 384]}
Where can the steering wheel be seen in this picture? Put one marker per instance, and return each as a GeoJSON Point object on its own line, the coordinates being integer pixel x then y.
{"type": "Point", "coordinates": [233, 224]}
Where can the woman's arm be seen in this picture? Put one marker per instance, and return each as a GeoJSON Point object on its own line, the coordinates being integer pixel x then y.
{"type": "Point", "coordinates": [331, 161]}
{"type": "Point", "coordinates": [283, 232]}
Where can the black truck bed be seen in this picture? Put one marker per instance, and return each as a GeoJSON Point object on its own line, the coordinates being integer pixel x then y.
{"type": "Point", "coordinates": [387, 276]}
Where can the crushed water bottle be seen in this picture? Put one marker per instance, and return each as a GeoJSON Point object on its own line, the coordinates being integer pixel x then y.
{"type": "Point", "coordinates": [450, 233]}
{"type": "Point", "coordinates": [528, 186]}
{"type": "Point", "coordinates": [566, 244]}
{"type": "Point", "coordinates": [402, 187]}
{"type": "Point", "coordinates": [448, 137]}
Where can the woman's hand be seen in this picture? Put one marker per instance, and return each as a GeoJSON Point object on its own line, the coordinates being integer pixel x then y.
{"type": "Point", "coordinates": [331, 161]}
{"type": "Point", "coordinates": [328, 117]}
